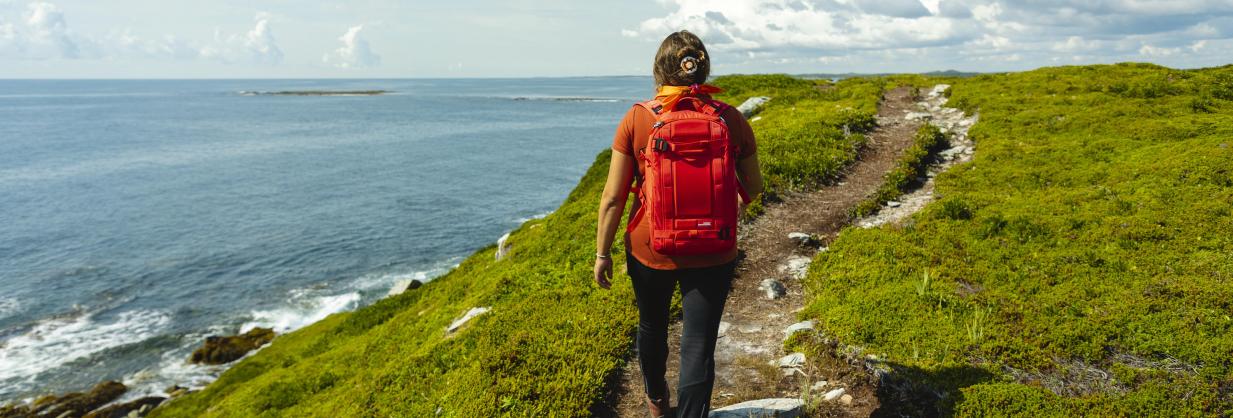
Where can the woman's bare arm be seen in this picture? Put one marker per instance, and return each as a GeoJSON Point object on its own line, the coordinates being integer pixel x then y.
{"type": "Point", "coordinates": [749, 173]}
{"type": "Point", "coordinates": [611, 207]}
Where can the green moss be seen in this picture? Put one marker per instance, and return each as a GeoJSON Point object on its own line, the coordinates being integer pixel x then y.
{"type": "Point", "coordinates": [552, 339]}
{"type": "Point", "coordinates": [1087, 233]}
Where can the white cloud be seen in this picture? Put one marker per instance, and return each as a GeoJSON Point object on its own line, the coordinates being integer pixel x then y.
{"type": "Point", "coordinates": [47, 26]}
{"type": "Point", "coordinates": [44, 33]}
{"type": "Point", "coordinates": [41, 33]}
{"type": "Point", "coordinates": [256, 46]}
{"type": "Point", "coordinates": [354, 52]}
{"type": "Point", "coordinates": [953, 32]}
{"type": "Point", "coordinates": [260, 44]}
{"type": "Point", "coordinates": [1153, 51]}
{"type": "Point", "coordinates": [767, 24]}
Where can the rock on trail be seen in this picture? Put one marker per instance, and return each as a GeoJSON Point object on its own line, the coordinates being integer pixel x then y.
{"type": "Point", "coordinates": [762, 408]}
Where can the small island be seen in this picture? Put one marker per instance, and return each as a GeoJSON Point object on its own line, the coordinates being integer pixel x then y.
{"type": "Point", "coordinates": [315, 93]}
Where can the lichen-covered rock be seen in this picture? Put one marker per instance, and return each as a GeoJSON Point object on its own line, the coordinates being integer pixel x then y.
{"type": "Point", "coordinates": [222, 350]}
{"type": "Point", "coordinates": [797, 327]}
{"type": "Point", "coordinates": [751, 105]}
{"type": "Point", "coordinates": [121, 410]}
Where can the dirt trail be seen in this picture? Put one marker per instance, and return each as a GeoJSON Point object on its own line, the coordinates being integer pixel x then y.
{"type": "Point", "coordinates": [752, 333]}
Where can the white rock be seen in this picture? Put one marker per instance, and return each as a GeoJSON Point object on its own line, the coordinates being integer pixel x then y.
{"type": "Point", "coordinates": [790, 360]}
{"type": "Point", "coordinates": [833, 395]}
{"type": "Point", "coordinates": [773, 289]}
{"type": "Point", "coordinates": [918, 116]}
{"type": "Point", "coordinates": [819, 386]}
{"type": "Point", "coordinates": [938, 90]}
{"type": "Point", "coordinates": [762, 408]}
{"type": "Point", "coordinates": [403, 286]}
{"type": "Point", "coordinates": [846, 399]}
{"type": "Point", "coordinates": [502, 246]}
{"type": "Point", "coordinates": [723, 328]}
{"type": "Point", "coordinates": [798, 327]}
{"type": "Point", "coordinates": [797, 266]}
{"type": "Point", "coordinates": [893, 204]}
{"type": "Point", "coordinates": [752, 104]}
{"type": "Point", "coordinates": [458, 323]}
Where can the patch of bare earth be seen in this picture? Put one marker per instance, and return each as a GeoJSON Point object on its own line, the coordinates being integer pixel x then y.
{"type": "Point", "coordinates": [752, 334]}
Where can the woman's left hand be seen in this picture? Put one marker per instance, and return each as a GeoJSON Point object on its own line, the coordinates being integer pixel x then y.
{"type": "Point", "coordinates": [603, 272]}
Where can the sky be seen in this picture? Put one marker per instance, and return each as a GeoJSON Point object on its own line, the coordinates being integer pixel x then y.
{"type": "Point", "coordinates": [551, 38]}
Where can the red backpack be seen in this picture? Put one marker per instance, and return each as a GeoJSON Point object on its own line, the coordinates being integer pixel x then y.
{"type": "Point", "coordinates": [689, 189]}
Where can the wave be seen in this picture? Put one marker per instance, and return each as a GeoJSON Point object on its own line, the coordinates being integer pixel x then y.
{"type": "Point", "coordinates": [303, 310]}
{"type": "Point", "coordinates": [54, 342]}
{"type": "Point", "coordinates": [172, 369]}
{"type": "Point", "coordinates": [309, 305]}
{"type": "Point", "coordinates": [383, 281]}
{"type": "Point", "coordinates": [521, 221]}
{"type": "Point", "coordinates": [303, 307]}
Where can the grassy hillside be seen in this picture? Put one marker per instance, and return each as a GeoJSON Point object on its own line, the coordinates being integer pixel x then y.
{"type": "Point", "coordinates": [1081, 264]}
{"type": "Point", "coordinates": [552, 337]}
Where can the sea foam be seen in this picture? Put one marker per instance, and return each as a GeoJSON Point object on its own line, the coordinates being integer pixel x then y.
{"type": "Point", "coordinates": [58, 341]}
{"type": "Point", "coordinates": [302, 311]}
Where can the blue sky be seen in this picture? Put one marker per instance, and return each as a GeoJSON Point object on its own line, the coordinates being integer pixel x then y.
{"type": "Point", "coordinates": [518, 38]}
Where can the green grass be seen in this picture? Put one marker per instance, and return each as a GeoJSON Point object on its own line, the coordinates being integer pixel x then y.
{"type": "Point", "coordinates": [910, 166]}
{"type": "Point", "coordinates": [1081, 264]}
{"type": "Point", "coordinates": [552, 339]}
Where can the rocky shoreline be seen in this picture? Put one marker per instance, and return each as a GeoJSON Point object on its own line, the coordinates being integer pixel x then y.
{"type": "Point", "coordinates": [100, 401]}
{"type": "Point", "coordinates": [95, 403]}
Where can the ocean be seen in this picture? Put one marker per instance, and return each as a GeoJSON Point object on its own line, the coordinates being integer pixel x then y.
{"type": "Point", "coordinates": [139, 217]}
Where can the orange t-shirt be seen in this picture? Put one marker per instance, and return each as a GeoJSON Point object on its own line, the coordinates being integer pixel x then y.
{"type": "Point", "coordinates": [633, 134]}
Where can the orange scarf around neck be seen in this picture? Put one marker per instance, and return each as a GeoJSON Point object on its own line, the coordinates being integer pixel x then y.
{"type": "Point", "coordinates": [670, 95]}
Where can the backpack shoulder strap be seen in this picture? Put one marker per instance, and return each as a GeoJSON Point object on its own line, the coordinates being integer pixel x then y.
{"type": "Point", "coordinates": [714, 107]}
{"type": "Point", "coordinates": [657, 110]}
{"type": "Point", "coordinates": [654, 106]}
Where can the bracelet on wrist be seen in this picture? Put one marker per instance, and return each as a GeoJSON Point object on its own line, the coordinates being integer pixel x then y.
{"type": "Point", "coordinates": [603, 256]}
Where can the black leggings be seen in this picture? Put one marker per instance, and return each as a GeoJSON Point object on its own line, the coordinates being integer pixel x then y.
{"type": "Point", "coordinates": [703, 292]}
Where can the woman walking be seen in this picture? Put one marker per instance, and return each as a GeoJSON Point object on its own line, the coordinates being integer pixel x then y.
{"type": "Point", "coordinates": [692, 163]}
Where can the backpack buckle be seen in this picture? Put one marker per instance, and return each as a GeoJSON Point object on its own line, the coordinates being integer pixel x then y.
{"type": "Point", "coordinates": [661, 145]}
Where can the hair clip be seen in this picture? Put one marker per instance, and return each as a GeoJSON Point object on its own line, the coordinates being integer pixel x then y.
{"type": "Point", "coordinates": [690, 65]}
